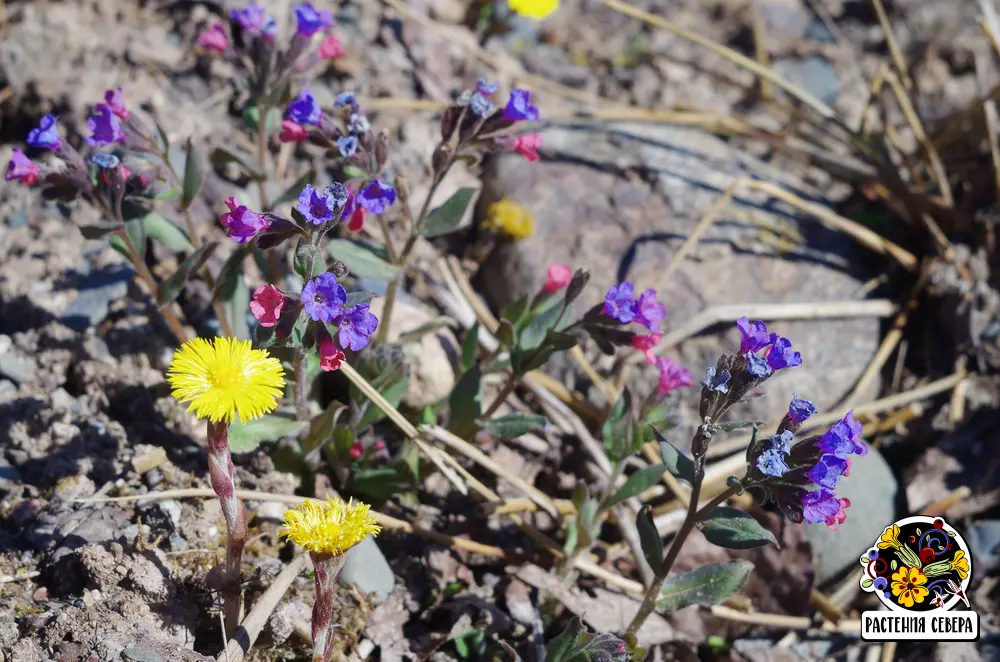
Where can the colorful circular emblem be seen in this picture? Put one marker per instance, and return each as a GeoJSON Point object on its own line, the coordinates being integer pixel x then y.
{"type": "Point", "coordinates": [918, 564]}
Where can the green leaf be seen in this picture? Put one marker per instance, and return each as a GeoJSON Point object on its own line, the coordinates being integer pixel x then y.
{"type": "Point", "coordinates": [232, 291]}
{"type": "Point", "coordinates": [162, 135]}
{"type": "Point", "coordinates": [447, 217]}
{"type": "Point", "coordinates": [587, 522]}
{"type": "Point", "coordinates": [536, 359]}
{"type": "Point", "coordinates": [563, 647]}
{"type": "Point", "coordinates": [677, 463]}
{"type": "Point", "coordinates": [638, 483]}
{"type": "Point", "coordinates": [516, 311]}
{"type": "Point", "coordinates": [708, 585]}
{"type": "Point", "coordinates": [292, 192]}
{"type": "Point", "coordinates": [354, 298]}
{"type": "Point", "coordinates": [735, 529]}
{"type": "Point", "coordinates": [354, 172]}
{"type": "Point", "coordinates": [166, 194]}
{"type": "Point", "coordinates": [505, 334]}
{"type": "Point", "coordinates": [379, 483]}
{"type": "Point", "coordinates": [321, 427]}
{"type": "Point", "coordinates": [251, 119]}
{"type": "Point", "coordinates": [418, 333]}
{"type": "Point", "coordinates": [616, 430]}
{"type": "Point", "coordinates": [649, 538]}
{"type": "Point", "coordinates": [466, 404]}
{"type": "Point", "coordinates": [137, 231]}
{"type": "Point", "coordinates": [194, 175]}
{"type": "Point", "coordinates": [97, 231]}
{"type": "Point", "coordinates": [246, 437]}
{"type": "Point", "coordinates": [470, 347]}
{"type": "Point", "coordinates": [470, 644]}
{"type": "Point", "coordinates": [511, 426]}
{"type": "Point", "coordinates": [362, 260]}
{"type": "Point", "coordinates": [392, 385]}
{"type": "Point", "coordinates": [534, 331]}
{"type": "Point", "coordinates": [166, 232]}
{"type": "Point", "coordinates": [221, 156]}
{"type": "Point", "coordinates": [172, 286]}
{"type": "Point", "coordinates": [733, 426]}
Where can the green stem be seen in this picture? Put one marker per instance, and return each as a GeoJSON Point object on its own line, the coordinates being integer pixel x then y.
{"type": "Point", "coordinates": [140, 267]}
{"type": "Point", "coordinates": [273, 274]}
{"type": "Point", "coordinates": [566, 566]}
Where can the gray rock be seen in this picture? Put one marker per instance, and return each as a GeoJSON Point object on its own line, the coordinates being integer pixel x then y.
{"type": "Point", "coordinates": [95, 295]}
{"type": "Point", "coordinates": [20, 369]}
{"type": "Point", "coordinates": [171, 509]}
{"type": "Point", "coordinates": [872, 489]}
{"type": "Point", "coordinates": [785, 20]}
{"type": "Point", "coordinates": [367, 568]}
{"type": "Point", "coordinates": [983, 538]}
{"type": "Point", "coordinates": [10, 477]}
{"type": "Point", "coordinates": [619, 228]}
{"type": "Point", "coordinates": [815, 74]}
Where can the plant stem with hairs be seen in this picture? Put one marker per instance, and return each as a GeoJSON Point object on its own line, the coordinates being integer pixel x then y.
{"type": "Point", "coordinates": [327, 569]}
{"type": "Point", "coordinates": [222, 476]}
{"type": "Point", "coordinates": [140, 267]}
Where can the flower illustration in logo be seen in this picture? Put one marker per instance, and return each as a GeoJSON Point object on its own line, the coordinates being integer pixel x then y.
{"type": "Point", "coordinates": [908, 586]}
{"type": "Point", "coordinates": [918, 564]}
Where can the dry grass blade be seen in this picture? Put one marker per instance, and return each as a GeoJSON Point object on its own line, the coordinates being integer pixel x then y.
{"type": "Point", "coordinates": [728, 53]}
{"type": "Point", "coordinates": [890, 39]}
{"type": "Point", "coordinates": [846, 626]}
{"type": "Point", "coordinates": [465, 448]}
{"type": "Point", "coordinates": [245, 636]}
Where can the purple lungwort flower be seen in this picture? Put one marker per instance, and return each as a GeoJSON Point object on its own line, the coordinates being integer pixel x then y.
{"type": "Point", "coordinates": [843, 438]}
{"type": "Point", "coordinates": [46, 136]}
{"type": "Point", "coordinates": [355, 327]}
{"type": "Point", "coordinates": [376, 197]}
{"type": "Point", "coordinates": [781, 441]}
{"type": "Point", "coordinates": [828, 471]}
{"type": "Point", "coordinates": [718, 383]}
{"type": "Point", "coordinates": [323, 298]}
{"type": "Point", "coordinates": [800, 409]}
{"type": "Point", "coordinates": [116, 102]}
{"type": "Point", "coordinates": [753, 335]}
{"type": "Point", "coordinates": [254, 20]}
{"type": "Point", "coordinates": [519, 107]}
{"type": "Point", "coordinates": [619, 302]}
{"type": "Point", "coordinates": [309, 21]}
{"type": "Point", "coordinates": [819, 505]}
{"type": "Point", "coordinates": [772, 463]}
{"type": "Point", "coordinates": [757, 366]}
{"type": "Point", "coordinates": [486, 88]}
{"type": "Point", "coordinates": [20, 167]}
{"type": "Point", "coordinates": [347, 145]}
{"type": "Point", "coordinates": [316, 206]}
{"type": "Point", "coordinates": [242, 224]}
{"type": "Point", "coordinates": [481, 106]}
{"type": "Point", "coordinates": [305, 109]}
{"type": "Point", "coordinates": [338, 193]}
{"type": "Point", "coordinates": [104, 127]}
{"type": "Point", "coordinates": [649, 311]}
{"type": "Point", "coordinates": [780, 355]}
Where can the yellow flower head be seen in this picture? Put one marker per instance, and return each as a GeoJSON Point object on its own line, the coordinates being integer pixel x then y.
{"type": "Point", "coordinates": [509, 218]}
{"type": "Point", "coordinates": [960, 564]}
{"type": "Point", "coordinates": [534, 8]}
{"type": "Point", "coordinates": [889, 538]}
{"type": "Point", "coordinates": [329, 528]}
{"type": "Point", "coordinates": [225, 378]}
{"type": "Point", "coordinates": [908, 586]}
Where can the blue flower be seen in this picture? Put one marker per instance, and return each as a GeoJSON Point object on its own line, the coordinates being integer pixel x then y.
{"type": "Point", "coordinates": [347, 145]}
{"type": "Point", "coordinates": [254, 20]}
{"type": "Point", "coordinates": [358, 124]}
{"type": "Point", "coordinates": [323, 298]}
{"type": "Point", "coordinates": [105, 161]}
{"type": "Point", "coordinates": [519, 107]}
{"type": "Point", "coordinates": [376, 197]}
{"type": "Point", "coordinates": [648, 311]}
{"type": "Point", "coordinates": [757, 366]}
{"type": "Point", "coordinates": [46, 136]}
{"type": "Point", "coordinates": [800, 409]}
{"type": "Point", "coordinates": [781, 441]}
{"type": "Point", "coordinates": [843, 438]}
{"type": "Point", "coordinates": [753, 335]}
{"type": "Point", "coordinates": [345, 100]}
{"type": "Point", "coordinates": [619, 302]}
{"type": "Point", "coordinates": [481, 106]}
{"type": "Point", "coordinates": [317, 207]}
{"type": "Point", "coordinates": [105, 127]}
{"type": "Point", "coordinates": [305, 109]}
{"type": "Point", "coordinates": [771, 462]}
{"type": "Point", "coordinates": [820, 506]}
{"type": "Point", "coordinates": [717, 383]}
{"type": "Point", "coordinates": [356, 326]}
{"type": "Point", "coordinates": [309, 21]}
{"type": "Point", "coordinates": [781, 355]}
{"type": "Point", "coordinates": [486, 88]}
{"type": "Point", "coordinates": [828, 471]}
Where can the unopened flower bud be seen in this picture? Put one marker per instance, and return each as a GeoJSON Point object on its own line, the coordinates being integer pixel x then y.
{"type": "Point", "coordinates": [449, 122]}
{"type": "Point", "coordinates": [441, 159]}
{"type": "Point", "coordinates": [382, 149]}
{"type": "Point", "coordinates": [338, 269]}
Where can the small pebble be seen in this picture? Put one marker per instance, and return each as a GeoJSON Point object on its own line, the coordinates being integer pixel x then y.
{"type": "Point", "coordinates": [135, 654]}
{"type": "Point", "coordinates": [152, 478]}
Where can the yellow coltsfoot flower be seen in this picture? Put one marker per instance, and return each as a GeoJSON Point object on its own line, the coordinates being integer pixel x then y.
{"type": "Point", "coordinates": [329, 528]}
{"type": "Point", "coordinates": [509, 218]}
{"type": "Point", "coordinates": [224, 379]}
{"type": "Point", "coordinates": [534, 8]}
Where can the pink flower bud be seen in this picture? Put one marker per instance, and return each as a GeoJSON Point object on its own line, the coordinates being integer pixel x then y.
{"type": "Point", "coordinates": [330, 357]}
{"type": "Point", "coordinates": [357, 221]}
{"type": "Point", "coordinates": [558, 277]}
{"type": "Point", "coordinates": [379, 445]}
{"type": "Point", "coordinates": [267, 304]}
{"type": "Point", "coordinates": [527, 146]}
{"type": "Point", "coordinates": [646, 344]}
{"type": "Point", "coordinates": [214, 39]}
{"type": "Point", "coordinates": [357, 450]}
{"type": "Point", "coordinates": [292, 132]}
{"type": "Point", "coordinates": [331, 48]}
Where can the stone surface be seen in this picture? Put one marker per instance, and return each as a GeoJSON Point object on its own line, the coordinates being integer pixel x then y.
{"type": "Point", "coordinates": [588, 215]}
{"type": "Point", "coordinates": [815, 74]}
{"type": "Point", "coordinates": [367, 569]}
{"type": "Point", "coordinates": [872, 489]}
{"type": "Point", "coordinates": [94, 296]}
{"type": "Point", "coordinates": [428, 359]}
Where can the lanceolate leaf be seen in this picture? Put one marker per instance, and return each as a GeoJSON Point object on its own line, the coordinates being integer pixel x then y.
{"type": "Point", "coordinates": [465, 402]}
{"type": "Point", "coordinates": [245, 437]}
{"type": "Point", "coordinates": [166, 232]}
{"type": "Point", "coordinates": [735, 529]}
{"type": "Point", "coordinates": [362, 260]}
{"type": "Point", "coordinates": [172, 286]}
{"type": "Point", "coordinates": [194, 175]}
{"type": "Point", "coordinates": [638, 483]}
{"type": "Point", "coordinates": [677, 463]}
{"type": "Point", "coordinates": [708, 585]}
{"type": "Point", "coordinates": [649, 538]}
{"type": "Point", "coordinates": [231, 289]}
{"type": "Point", "coordinates": [448, 216]}
{"type": "Point", "coordinates": [514, 425]}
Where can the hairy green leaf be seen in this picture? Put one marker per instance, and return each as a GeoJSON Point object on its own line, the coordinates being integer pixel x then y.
{"type": "Point", "coordinates": [708, 585]}
{"type": "Point", "coordinates": [735, 529]}
{"type": "Point", "coordinates": [448, 216]}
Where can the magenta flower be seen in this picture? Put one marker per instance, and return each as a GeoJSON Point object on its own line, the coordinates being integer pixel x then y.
{"type": "Point", "coordinates": [292, 132]}
{"type": "Point", "coordinates": [519, 107]}
{"type": "Point", "coordinates": [838, 518]}
{"type": "Point", "coordinates": [376, 197]}
{"type": "Point", "coordinates": [355, 327]}
{"type": "Point", "coordinates": [116, 102]}
{"type": "Point", "coordinates": [672, 376]}
{"type": "Point", "coordinates": [21, 168]}
{"type": "Point", "coordinates": [309, 21]}
{"type": "Point", "coordinates": [331, 48]}
{"type": "Point", "coordinates": [104, 127]}
{"type": "Point", "coordinates": [242, 224]}
{"type": "Point", "coordinates": [324, 298]}
{"type": "Point", "coordinates": [646, 344]}
{"type": "Point", "coordinates": [649, 311]}
{"type": "Point", "coordinates": [267, 303]}
{"type": "Point", "coordinates": [305, 109]}
{"type": "Point", "coordinates": [330, 356]}
{"type": "Point", "coordinates": [557, 277]}
{"type": "Point", "coordinates": [46, 136]}
{"type": "Point", "coordinates": [619, 302]}
{"type": "Point", "coordinates": [527, 146]}
{"type": "Point", "coordinates": [214, 39]}
{"type": "Point", "coordinates": [753, 335]}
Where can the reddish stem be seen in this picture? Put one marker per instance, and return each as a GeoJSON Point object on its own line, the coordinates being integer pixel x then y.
{"type": "Point", "coordinates": [222, 475]}
{"type": "Point", "coordinates": [327, 570]}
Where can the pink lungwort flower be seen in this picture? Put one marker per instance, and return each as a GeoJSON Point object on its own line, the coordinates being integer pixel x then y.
{"type": "Point", "coordinates": [672, 376]}
{"type": "Point", "coordinates": [20, 167]}
{"type": "Point", "coordinates": [330, 356]}
{"type": "Point", "coordinates": [292, 132]}
{"type": "Point", "coordinates": [214, 39]}
{"type": "Point", "coordinates": [557, 277]}
{"type": "Point", "coordinates": [646, 344]}
{"type": "Point", "coordinates": [115, 101]}
{"type": "Point", "coordinates": [267, 304]}
{"type": "Point", "coordinates": [527, 146]}
{"type": "Point", "coordinates": [331, 48]}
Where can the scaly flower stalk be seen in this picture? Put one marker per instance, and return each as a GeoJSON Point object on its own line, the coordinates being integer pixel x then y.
{"type": "Point", "coordinates": [327, 531]}
{"type": "Point", "coordinates": [224, 379]}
